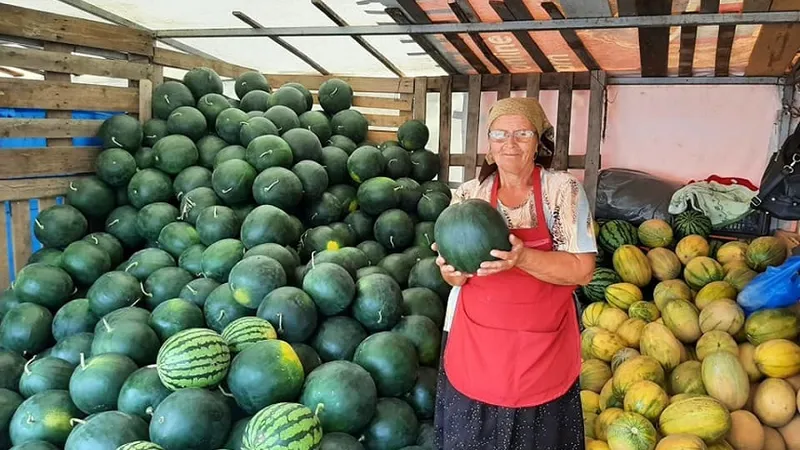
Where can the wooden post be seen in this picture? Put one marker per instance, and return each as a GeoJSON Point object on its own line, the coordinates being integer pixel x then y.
{"type": "Point", "coordinates": [564, 116]}
{"type": "Point", "coordinates": [5, 269]}
{"type": "Point", "coordinates": [594, 136]}
{"type": "Point", "coordinates": [420, 98]}
{"type": "Point", "coordinates": [62, 77]}
{"type": "Point", "coordinates": [21, 232]}
{"type": "Point", "coordinates": [145, 100]}
{"type": "Point", "coordinates": [504, 87]}
{"type": "Point", "coordinates": [445, 116]}
{"type": "Point", "coordinates": [473, 119]}
{"type": "Point", "coordinates": [532, 85]}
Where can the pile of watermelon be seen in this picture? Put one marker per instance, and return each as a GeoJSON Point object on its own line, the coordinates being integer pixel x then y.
{"type": "Point", "coordinates": [240, 274]}
{"type": "Point", "coordinates": [670, 359]}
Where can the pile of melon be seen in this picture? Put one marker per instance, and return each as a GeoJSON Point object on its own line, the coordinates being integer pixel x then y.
{"type": "Point", "coordinates": [670, 359]}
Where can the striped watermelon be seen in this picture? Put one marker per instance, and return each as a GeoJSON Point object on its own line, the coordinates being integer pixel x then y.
{"type": "Point", "coordinates": [283, 426]}
{"type": "Point", "coordinates": [140, 445]}
{"type": "Point", "coordinates": [193, 358]}
{"type": "Point", "coordinates": [245, 331]}
{"type": "Point", "coordinates": [692, 222]}
{"type": "Point", "coordinates": [616, 233]}
{"type": "Point", "coordinates": [601, 279]}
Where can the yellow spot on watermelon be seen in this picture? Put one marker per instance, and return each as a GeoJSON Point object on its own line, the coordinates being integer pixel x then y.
{"type": "Point", "coordinates": [56, 421]}
{"type": "Point", "coordinates": [353, 206]}
{"type": "Point", "coordinates": [332, 245]}
{"type": "Point", "coordinates": [355, 177]}
{"type": "Point", "coordinates": [241, 297]}
{"type": "Point", "coordinates": [288, 353]}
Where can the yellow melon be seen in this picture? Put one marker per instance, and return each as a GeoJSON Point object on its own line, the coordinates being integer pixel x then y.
{"type": "Point", "coordinates": [658, 342]}
{"type": "Point", "coordinates": [767, 324]}
{"type": "Point", "coordinates": [791, 434]}
{"type": "Point", "coordinates": [739, 275]}
{"type": "Point", "coordinates": [681, 442]}
{"type": "Point", "coordinates": [714, 341]}
{"type": "Point", "coordinates": [732, 251]}
{"type": "Point", "coordinates": [588, 424]}
{"type": "Point", "coordinates": [631, 332]}
{"type": "Point", "coordinates": [594, 374]}
{"type": "Point", "coordinates": [687, 378]}
{"type": "Point", "coordinates": [604, 420]}
{"type": "Point", "coordinates": [632, 265]}
{"type": "Point", "coordinates": [773, 439]}
{"type": "Point", "coordinates": [702, 416]}
{"type": "Point", "coordinates": [746, 351]}
{"type": "Point", "coordinates": [690, 247]}
{"type": "Point", "coordinates": [647, 311]}
{"type": "Point", "coordinates": [591, 313]}
{"type": "Point", "coordinates": [637, 369]}
{"type": "Point", "coordinates": [609, 397]}
{"type": "Point", "coordinates": [722, 314]}
{"type": "Point", "coordinates": [778, 358]}
{"type": "Point", "coordinates": [746, 431]}
{"type": "Point", "coordinates": [623, 355]}
{"type": "Point", "coordinates": [669, 290]}
{"type": "Point", "coordinates": [594, 444]}
{"type": "Point", "coordinates": [604, 344]}
{"type": "Point", "coordinates": [665, 264]}
{"type": "Point", "coordinates": [725, 379]}
{"type": "Point", "coordinates": [646, 398]}
{"type": "Point", "coordinates": [774, 402]}
{"type": "Point", "coordinates": [590, 402]}
{"type": "Point", "coordinates": [611, 318]}
{"type": "Point", "coordinates": [714, 291]}
{"type": "Point", "coordinates": [623, 295]}
{"type": "Point", "coordinates": [720, 445]}
{"type": "Point", "coordinates": [682, 319]}
{"type": "Point", "coordinates": [701, 271]}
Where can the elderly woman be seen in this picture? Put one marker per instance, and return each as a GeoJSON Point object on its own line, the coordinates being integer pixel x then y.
{"type": "Point", "coordinates": [509, 376]}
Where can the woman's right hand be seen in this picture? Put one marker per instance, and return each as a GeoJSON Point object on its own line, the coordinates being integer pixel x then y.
{"type": "Point", "coordinates": [449, 273]}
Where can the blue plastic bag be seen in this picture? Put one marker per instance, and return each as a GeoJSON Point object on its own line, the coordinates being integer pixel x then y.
{"type": "Point", "coordinates": [778, 287]}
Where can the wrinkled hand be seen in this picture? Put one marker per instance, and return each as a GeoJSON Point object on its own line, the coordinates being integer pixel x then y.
{"type": "Point", "coordinates": [506, 260]}
{"type": "Point", "coordinates": [452, 276]}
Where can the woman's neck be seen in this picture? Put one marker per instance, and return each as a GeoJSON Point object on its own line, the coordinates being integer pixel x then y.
{"type": "Point", "coordinates": [518, 179]}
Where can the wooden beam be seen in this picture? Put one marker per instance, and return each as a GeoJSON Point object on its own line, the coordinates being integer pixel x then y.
{"type": "Point", "coordinates": [21, 232]}
{"type": "Point", "coordinates": [59, 77]}
{"type": "Point", "coordinates": [420, 109]}
{"type": "Point", "coordinates": [48, 128]}
{"type": "Point", "coordinates": [586, 8]}
{"type": "Point", "coordinates": [563, 126]}
{"type": "Point", "coordinates": [501, 8]}
{"type": "Point", "coordinates": [572, 38]}
{"type": "Point", "coordinates": [504, 87]}
{"type": "Point", "coordinates": [404, 103]}
{"type": "Point", "coordinates": [532, 85]}
{"type": "Point", "coordinates": [32, 59]}
{"type": "Point", "coordinates": [359, 84]}
{"type": "Point", "coordinates": [5, 269]}
{"type": "Point", "coordinates": [445, 122]}
{"type": "Point", "coordinates": [145, 101]}
{"type": "Point", "coordinates": [460, 159]}
{"type": "Point", "coordinates": [463, 11]}
{"type": "Point", "coordinates": [424, 42]}
{"type": "Point", "coordinates": [776, 45]}
{"type": "Point", "coordinates": [49, 161]}
{"type": "Point", "coordinates": [66, 96]}
{"type": "Point", "coordinates": [654, 42]}
{"type": "Point", "coordinates": [378, 136]}
{"type": "Point", "coordinates": [466, 52]}
{"type": "Point", "coordinates": [186, 61]}
{"type": "Point", "coordinates": [519, 82]}
{"type": "Point", "coordinates": [594, 137]}
{"type": "Point", "coordinates": [722, 61]}
{"type": "Point", "coordinates": [386, 121]}
{"type": "Point", "coordinates": [25, 189]}
{"type": "Point", "coordinates": [39, 25]}
{"type": "Point", "coordinates": [686, 56]}
{"type": "Point", "coordinates": [473, 127]}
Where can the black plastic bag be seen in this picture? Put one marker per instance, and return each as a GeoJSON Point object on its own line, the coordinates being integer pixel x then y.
{"type": "Point", "coordinates": [633, 195]}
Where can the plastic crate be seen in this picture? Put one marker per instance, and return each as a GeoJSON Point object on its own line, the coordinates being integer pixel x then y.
{"type": "Point", "coordinates": [755, 224]}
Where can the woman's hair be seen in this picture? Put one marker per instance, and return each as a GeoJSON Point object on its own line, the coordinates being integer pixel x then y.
{"type": "Point", "coordinates": [543, 157]}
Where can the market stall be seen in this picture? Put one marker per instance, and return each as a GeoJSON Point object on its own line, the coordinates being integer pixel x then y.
{"type": "Point", "coordinates": [207, 253]}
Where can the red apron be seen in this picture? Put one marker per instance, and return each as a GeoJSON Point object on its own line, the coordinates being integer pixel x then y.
{"type": "Point", "coordinates": [514, 341]}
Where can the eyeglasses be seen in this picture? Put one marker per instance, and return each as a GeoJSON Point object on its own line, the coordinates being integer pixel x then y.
{"type": "Point", "coordinates": [519, 135]}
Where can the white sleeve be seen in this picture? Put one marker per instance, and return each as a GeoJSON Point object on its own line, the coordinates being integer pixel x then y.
{"type": "Point", "coordinates": [452, 300]}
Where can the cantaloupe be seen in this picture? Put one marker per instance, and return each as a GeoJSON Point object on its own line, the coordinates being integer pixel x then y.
{"type": "Point", "coordinates": [722, 314]}
{"type": "Point", "coordinates": [611, 318]}
{"type": "Point", "coordinates": [588, 424]}
{"type": "Point", "coordinates": [631, 332]}
{"type": "Point", "coordinates": [609, 397]}
{"type": "Point", "coordinates": [623, 355]}
{"type": "Point", "coordinates": [732, 251]}
{"type": "Point", "coordinates": [778, 358]}
{"type": "Point", "coordinates": [647, 311]}
{"type": "Point", "coordinates": [768, 324]}
{"type": "Point", "coordinates": [746, 431]}
{"type": "Point", "coordinates": [594, 374]}
{"type": "Point", "coordinates": [687, 378]}
{"type": "Point", "coordinates": [590, 402]}
{"type": "Point", "coordinates": [665, 264]}
{"type": "Point", "coordinates": [591, 313]}
{"type": "Point", "coordinates": [725, 379]}
{"type": "Point", "coordinates": [681, 317]}
{"type": "Point", "coordinates": [791, 434]}
{"type": "Point", "coordinates": [774, 402]}
{"type": "Point", "coordinates": [702, 416]}
{"type": "Point", "coordinates": [595, 444]}
{"type": "Point", "coordinates": [681, 442]}
{"type": "Point", "coordinates": [670, 289]}
{"type": "Point", "coordinates": [658, 342]}
{"type": "Point", "coordinates": [623, 295]}
{"type": "Point", "coordinates": [773, 439]}
{"type": "Point", "coordinates": [604, 419]}
{"type": "Point", "coordinates": [637, 369]}
{"type": "Point", "coordinates": [646, 398]}
{"type": "Point", "coordinates": [714, 291]}
{"type": "Point", "coordinates": [690, 247]}
{"type": "Point", "coordinates": [795, 382]}
{"type": "Point", "coordinates": [746, 351]}
{"type": "Point", "coordinates": [714, 341]}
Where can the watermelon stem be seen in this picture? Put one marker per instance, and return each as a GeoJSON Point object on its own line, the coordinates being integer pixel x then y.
{"type": "Point", "coordinates": [114, 140]}
{"type": "Point", "coordinates": [74, 420]}
{"type": "Point", "coordinates": [280, 323]}
{"type": "Point", "coordinates": [132, 265]}
{"type": "Point", "coordinates": [30, 418]}
{"type": "Point", "coordinates": [380, 315]}
{"type": "Point", "coordinates": [320, 407]}
{"type": "Point", "coordinates": [136, 301]}
{"type": "Point", "coordinates": [94, 238]}
{"type": "Point", "coordinates": [225, 393]}
{"type": "Point", "coordinates": [83, 361]}
{"type": "Point", "coordinates": [221, 315]}
{"type": "Point", "coordinates": [110, 224]}
{"type": "Point", "coordinates": [226, 190]}
{"type": "Point", "coordinates": [391, 241]}
{"type": "Point", "coordinates": [149, 411]}
{"type": "Point", "coordinates": [152, 137]}
{"type": "Point", "coordinates": [41, 227]}
{"type": "Point", "coordinates": [74, 290]}
{"type": "Point", "coordinates": [106, 325]}
{"type": "Point", "coordinates": [28, 363]}
{"type": "Point", "coordinates": [215, 212]}
{"type": "Point", "coordinates": [266, 189]}
{"type": "Point", "coordinates": [313, 264]}
{"type": "Point", "coordinates": [147, 294]}
{"type": "Point", "coordinates": [166, 98]}
{"type": "Point", "coordinates": [72, 186]}
{"type": "Point", "coordinates": [191, 289]}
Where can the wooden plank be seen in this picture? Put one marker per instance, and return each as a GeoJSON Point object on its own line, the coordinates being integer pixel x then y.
{"type": "Point", "coordinates": [460, 160]}
{"type": "Point", "coordinates": [46, 202]}
{"type": "Point", "coordinates": [466, 52]}
{"type": "Point", "coordinates": [524, 38]}
{"type": "Point", "coordinates": [519, 82]}
{"type": "Point", "coordinates": [563, 118]}
{"type": "Point", "coordinates": [426, 43]}
{"type": "Point", "coordinates": [420, 98]}
{"type": "Point", "coordinates": [21, 232]}
{"type": "Point", "coordinates": [59, 77]}
{"type": "Point", "coordinates": [594, 137]}
{"type": "Point", "coordinates": [445, 121]}
{"type": "Point", "coordinates": [145, 100]}
{"type": "Point", "coordinates": [473, 126]}
{"type": "Point", "coordinates": [686, 55]}
{"type": "Point", "coordinates": [32, 59]}
{"type": "Point", "coordinates": [571, 36]}
{"type": "Point", "coordinates": [66, 96]}
{"type": "Point", "coordinates": [158, 76]}
{"type": "Point", "coordinates": [724, 45]}
{"type": "Point", "coordinates": [5, 269]}
{"type": "Point", "coordinates": [40, 25]}
{"type": "Point", "coordinates": [465, 14]}
{"type": "Point", "coordinates": [503, 88]}
{"type": "Point", "coordinates": [11, 190]}
{"type": "Point", "coordinates": [532, 85]}
{"type": "Point", "coordinates": [381, 120]}
{"type": "Point", "coordinates": [359, 84]}
{"type": "Point", "coordinates": [34, 162]}
{"type": "Point", "coordinates": [378, 136]}
{"type": "Point", "coordinates": [756, 5]}
{"type": "Point", "coordinates": [586, 8]}
{"type": "Point", "coordinates": [48, 128]}
{"type": "Point", "coordinates": [654, 42]}
{"type": "Point", "coordinates": [186, 61]}
{"type": "Point", "coordinates": [776, 45]}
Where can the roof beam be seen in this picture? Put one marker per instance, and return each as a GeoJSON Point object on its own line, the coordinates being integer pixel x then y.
{"type": "Point", "coordinates": [595, 23]}
{"type": "Point", "coordinates": [424, 42]}
{"type": "Point", "coordinates": [463, 11]}
{"type": "Point", "coordinates": [287, 46]}
{"type": "Point", "coordinates": [572, 38]}
{"type": "Point", "coordinates": [502, 9]}
{"type": "Point", "coordinates": [331, 14]}
{"type": "Point", "coordinates": [688, 81]}
{"type": "Point", "coordinates": [776, 45]}
{"type": "Point", "coordinates": [586, 8]}
{"type": "Point", "coordinates": [654, 42]}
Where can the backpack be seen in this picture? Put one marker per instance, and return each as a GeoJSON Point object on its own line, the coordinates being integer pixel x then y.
{"type": "Point", "coordinates": [779, 194]}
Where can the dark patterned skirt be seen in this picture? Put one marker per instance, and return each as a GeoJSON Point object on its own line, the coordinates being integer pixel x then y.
{"type": "Point", "coordinates": [465, 424]}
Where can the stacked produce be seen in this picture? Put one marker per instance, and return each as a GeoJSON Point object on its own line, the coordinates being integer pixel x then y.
{"type": "Point", "coordinates": [240, 274]}
{"type": "Point", "coordinates": [670, 360]}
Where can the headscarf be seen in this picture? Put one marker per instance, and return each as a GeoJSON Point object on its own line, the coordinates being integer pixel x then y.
{"type": "Point", "coordinates": [531, 109]}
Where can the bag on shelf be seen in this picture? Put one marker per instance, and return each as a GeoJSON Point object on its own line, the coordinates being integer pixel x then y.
{"type": "Point", "coordinates": [633, 195]}
{"type": "Point", "coordinates": [779, 194]}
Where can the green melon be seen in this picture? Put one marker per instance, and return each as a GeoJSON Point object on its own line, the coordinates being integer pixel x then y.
{"type": "Point", "coordinates": [335, 95]}
{"type": "Point", "coordinates": [413, 135]}
{"type": "Point", "coordinates": [291, 312]}
{"type": "Point", "coordinates": [692, 222]}
{"type": "Point", "coordinates": [175, 315]}
{"type": "Point", "coordinates": [121, 131]}
{"type": "Point", "coordinates": [283, 425]}
{"type": "Point", "coordinates": [265, 373]}
{"type": "Point", "coordinates": [25, 329]}
{"type": "Point", "coordinates": [337, 338]}
{"type": "Point", "coordinates": [344, 393]}
{"type": "Point", "coordinates": [106, 430]}
{"type": "Point", "coordinates": [44, 417]}
{"type": "Point", "coordinates": [59, 226]}
{"type": "Point", "coordinates": [51, 286]}
{"type": "Point", "coordinates": [220, 309]}
{"type": "Point", "coordinates": [251, 279]}
{"type": "Point", "coordinates": [149, 186]}
{"type": "Point", "coordinates": [193, 358]}
{"type": "Point", "coordinates": [187, 121]}
{"type": "Point", "coordinates": [191, 418]}
{"type": "Point", "coordinates": [45, 374]}
{"type": "Point", "coordinates": [391, 359]}
{"type": "Point", "coordinates": [96, 382]}
{"type": "Point", "coordinates": [91, 196]}
{"type": "Point", "coordinates": [394, 426]}
{"type": "Point", "coordinates": [141, 393]}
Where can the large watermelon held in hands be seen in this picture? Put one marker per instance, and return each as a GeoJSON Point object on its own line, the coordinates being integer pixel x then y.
{"type": "Point", "coordinates": [467, 232]}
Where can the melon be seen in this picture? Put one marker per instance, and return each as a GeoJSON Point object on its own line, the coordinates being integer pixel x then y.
{"type": "Point", "coordinates": [746, 431]}
{"type": "Point", "coordinates": [669, 290]}
{"type": "Point", "coordinates": [773, 439]}
{"type": "Point", "coordinates": [588, 424]}
{"type": "Point", "coordinates": [725, 379]}
{"type": "Point", "coordinates": [631, 431]}
{"type": "Point", "coordinates": [603, 344]}
{"type": "Point", "coordinates": [623, 295]}
{"type": "Point", "coordinates": [723, 315]}
{"type": "Point", "coordinates": [630, 331]}
{"type": "Point", "coordinates": [621, 356]}
{"type": "Point", "coordinates": [731, 251]}
{"type": "Point", "coordinates": [691, 247]}
{"type": "Point", "coordinates": [590, 402]}
{"type": "Point", "coordinates": [681, 317]}
{"type": "Point", "coordinates": [687, 378]}
{"type": "Point", "coordinates": [591, 313]}
{"type": "Point", "coordinates": [609, 398]}
{"type": "Point", "coordinates": [646, 398]}
{"type": "Point", "coordinates": [720, 445]}
{"type": "Point", "coordinates": [774, 402]}
{"type": "Point", "coordinates": [594, 444]}
{"type": "Point", "coordinates": [702, 416]}
{"type": "Point", "coordinates": [681, 442]}
{"type": "Point", "coordinates": [702, 270]}
{"type": "Point", "coordinates": [765, 251]}
{"type": "Point", "coordinates": [654, 233]}
{"type": "Point", "coordinates": [611, 318]}
{"type": "Point", "coordinates": [594, 375]}
{"type": "Point", "coordinates": [714, 291]}
{"type": "Point", "coordinates": [739, 276]}
{"type": "Point", "coordinates": [604, 419]}
{"type": "Point", "coordinates": [637, 369]}
{"type": "Point", "coordinates": [658, 342]}
{"type": "Point", "coordinates": [791, 434]}
{"type": "Point", "coordinates": [632, 265]}
{"type": "Point", "coordinates": [647, 311]}
{"type": "Point", "coordinates": [768, 324]}
{"type": "Point", "coordinates": [715, 341]}
{"type": "Point", "coordinates": [665, 264]}
{"type": "Point", "coordinates": [746, 351]}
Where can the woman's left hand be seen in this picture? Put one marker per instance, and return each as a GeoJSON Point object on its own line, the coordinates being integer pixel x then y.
{"type": "Point", "coordinates": [506, 260]}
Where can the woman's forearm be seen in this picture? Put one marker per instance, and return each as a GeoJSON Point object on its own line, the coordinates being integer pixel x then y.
{"type": "Point", "coordinates": [561, 268]}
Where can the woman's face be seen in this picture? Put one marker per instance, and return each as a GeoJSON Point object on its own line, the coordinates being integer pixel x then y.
{"type": "Point", "coordinates": [513, 141]}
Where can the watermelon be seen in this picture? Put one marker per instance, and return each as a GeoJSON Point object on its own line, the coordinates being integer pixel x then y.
{"type": "Point", "coordinates": [423, 302]}
{"type": "Point", "coordinates": [11, 369]}
{"type": "Point", "coordinates": [153, 130]}
{"type": "Point", "coordinates": [378, 302]}
{"type": "Point", "coordinates": [350, 123]}
{"type": "Point", "coordinates": [91, 196]}
{"type": "Point", "coordinates": [202, 81]}
{"type": "Point", "coordinates": [340, 441]}
{"type": "Point", "coordinates": [51, 286]}
{"type": "Point", "coordinates": [391, 359]}
{"type": "Point", "coordinates": [335, 95]}
{"type": "Point", "coordinates": [250, 81]}
{"type": "Point", "coordinates": [323, 210]}
{"type": "Point", "coordinates": [337, 338]}
{"type": "Point", "coordinates": [413, 135]}
{"type": "Point", "coordinates": [616, 233]}
{"type": "Point", "coordinates": [9, 402]}
{"type": "Point", "coordinates": [424, 334]}
{"type": "Point", "coordinates": [191, 418]}
{"type": "Point", "coordinates": [141, 393]}
{"type": "Point", "coordinates": [277, 252]}
{"type": "Point", "coordinates": [121, 131]}
{"type": "Point", "coordinates": [198, 290]}
{"type": "Point", "coordinates": [149, 186]}
{"type": "Point", "coordinates": [692, 222]}
{"type": "Point", "coordinates": [46, 255]}
{"type": "Point", "coordinates": [233, 181]}
{"type": "Point", "coordinates": [121, 224]}
{"type": "Point", "coordinates": [252, 278]}
{"type": "Point", "coordinates": [246, 331]}
{"type": "Point", "coordinates": [423, 395]}
{"type": "Point", "coordinates": [73, 318]}
{"type": "Point", "coordinates": [96, 382]}
{"type": "Point", "coordinates": [105, 431]}
{"type": "Point", "coordinates": [265, 373]}
{"type": "Point", "coordinates": [289, 97]}
{"type": "Point", "coordinates": [291, 312]}
{"type": "Point", "coordinates": [394, 425]}
{"type": "Point", "coordinates": [190, 178]}
{"type": "Point", "coordinates": [115, 167]}
{"type": "Point", "coordinates": [59, 225]}
{"type": "Point", "coordinates": [343, 142]}
{"type": "Point", "coordinates": [279, 187]}
{"type": "Point", "coordinates": [84, 262]}
{"type": "Point", "coordinates": [283, 117]}
{"type": "Point", "coordinates": [283, 425]}
{"type": "Point", "coordinates": [394, 230]}
{"type": "Point", "coordinates": [187, 121]}
{"type": "Point", "coordinates": [361, 223]}
{"type": "Point", "coordinates": [40, 375]}
{"type": "Point", "coordinates": [345, 395]}
{"type": "Point", "coordinates": [365, 162]}
{"type": "Point", "coordinates": [346, 194]}
{"type": "Point", "coordinates": [331, 288]}
{"type": "Point", "coordinates": [424, 165]}
{"type": "Point", "coordinates": [175, 315]}
{"type": "Point", "coordinates": [426, 274]}
{"type": "Point", "coordinates": [70, 348]}
{"type": "Point", "coordinates": [317, 123]}
{"type": "Point", "coordinates": [28, 423]}
{"type": "Point", "coordinates": [267, 223]}
{"type": "Point", "coordinates": [268, 150]}
{"type": "Point", "coordinates": [135, 340]}
{"type": "Point", "coordinates": [193, 358]}
{"type": "Point", "coordinates": [304, 143]}
{"type": "Point", "coordinates": [25, 329]}
{"type": "Point", "coordinates": [220, 257]}
{"type": "Point", "coordinates": [220, 309]}
{"type": "Point", "coordinates": [466, 232]}
{"type": "Point", "coordinates": [169, 96]}
{"type": "Point", "coordinates": [308, 357]}
{"type": "Point", "coordinates": [108, 243]}
{"type": "Point", "coordinates": [255, 100]}
{"type": "Point", "coordinates": [140, 445]}
{"type": "Point", "coordinates": [601, 279]}
{"type": "Point", "coordinates": [229, 153]}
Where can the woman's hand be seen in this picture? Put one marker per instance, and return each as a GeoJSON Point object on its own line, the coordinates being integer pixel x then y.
{"type": "Point", "coordinates": [506, 260]}
{"type": "Point", "coordinates": [449, 273]}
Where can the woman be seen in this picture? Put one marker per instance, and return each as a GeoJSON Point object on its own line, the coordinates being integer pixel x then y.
{"type": "Point", "coordinates": [509, 375]}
